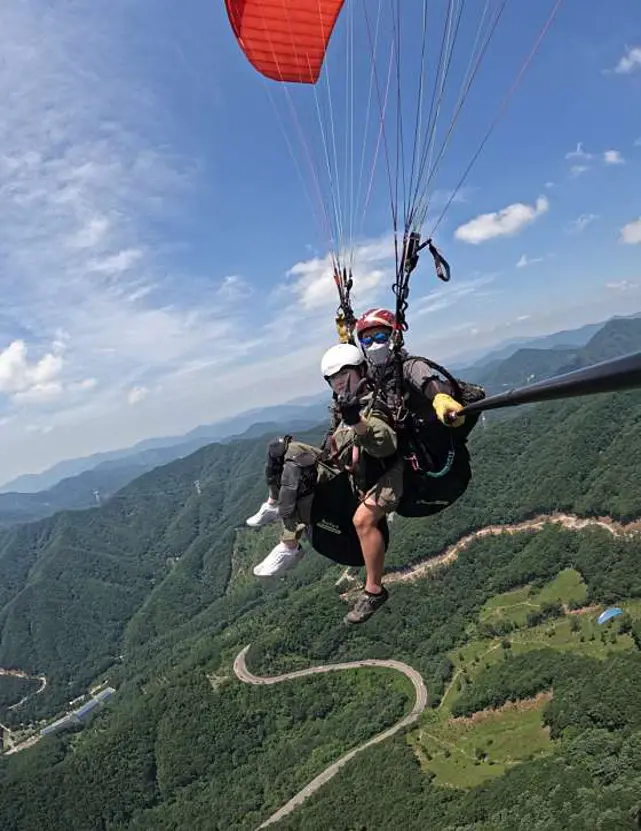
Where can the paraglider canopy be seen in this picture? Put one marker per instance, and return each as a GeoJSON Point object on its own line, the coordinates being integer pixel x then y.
{"type": "Point", "coordinates": [284, 41]}
{"type": "Point", "coordinates": [614, 611]}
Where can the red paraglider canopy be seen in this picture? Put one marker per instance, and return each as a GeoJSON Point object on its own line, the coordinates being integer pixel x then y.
{"type": "Point", "coordinates": [284, 40]}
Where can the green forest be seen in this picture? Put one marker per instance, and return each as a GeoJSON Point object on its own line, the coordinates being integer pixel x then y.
{"type": "Point", "coordinates": [533, 717]}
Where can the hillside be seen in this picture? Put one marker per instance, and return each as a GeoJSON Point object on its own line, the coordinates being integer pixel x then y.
{"type": "Point", "coordinates": [617, 337]}
{"type": "Point", "coordinates": [83, 491]}
{"type": "Point", "coordinates": [70, 583]}
{"type": "Point", "coordinates": [505, 349]}
{"type": "Point", "coordinates": [155, 592]}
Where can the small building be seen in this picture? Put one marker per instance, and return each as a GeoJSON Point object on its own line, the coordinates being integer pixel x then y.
{"type": "Point", "coordinates": [61, 724]}
{"type": "Point", "coordinates": [78, 715]}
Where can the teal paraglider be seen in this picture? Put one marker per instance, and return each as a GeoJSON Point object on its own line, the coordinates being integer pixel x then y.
{"type": "Point", "coordinates": [609, 614]}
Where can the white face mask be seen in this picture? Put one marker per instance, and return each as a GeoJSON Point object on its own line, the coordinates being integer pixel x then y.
{"type": "Point", "coordinates": [378, 353]}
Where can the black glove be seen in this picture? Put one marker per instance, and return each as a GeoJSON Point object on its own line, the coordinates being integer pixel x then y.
{"type": "Point", "coordinates": [349, 406]}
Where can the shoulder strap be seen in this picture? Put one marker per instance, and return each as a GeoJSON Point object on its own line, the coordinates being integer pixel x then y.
{"type": "Point", "coordinates": [440, 369]}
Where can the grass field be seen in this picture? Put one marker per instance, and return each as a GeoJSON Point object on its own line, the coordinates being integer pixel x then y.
{"type": "Point", "coordinates": [462, 753]}
{"type": "Point", "coordinates": [567, 587]}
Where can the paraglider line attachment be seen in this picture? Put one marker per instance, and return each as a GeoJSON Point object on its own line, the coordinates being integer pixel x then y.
{"type": "Point", "coordinates": [345, 319]}
{"type": "Point", "coordinates": [412, 248]}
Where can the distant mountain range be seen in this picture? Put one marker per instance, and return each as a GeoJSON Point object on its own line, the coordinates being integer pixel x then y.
{"type": "Point", "coordinates": [152, 452]}
{"type": "Point", "coordinates": [94, 486]}
{"type": "Point", "coordinates": [528, 364]}
{"type": "Point", "coordinates": [571, 338]}
{"type": "Point", "coordinates": [86, 482]}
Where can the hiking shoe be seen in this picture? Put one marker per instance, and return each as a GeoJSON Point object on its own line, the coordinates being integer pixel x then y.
{"type": "Point", "coordinates": [268, 512]}
{"type": "Point", "coordinates": [280, 559]}
{"type": "Point", "coordinates": [365, 606]}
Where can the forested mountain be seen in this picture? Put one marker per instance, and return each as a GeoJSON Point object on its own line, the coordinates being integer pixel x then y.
{"type": "Point", "coordinates": [573, 338]}
{"type": "Point", "coordinates": [83, 491]}
{"type": "Point", "coordinates": [617, 337]}
{"type": "Point", "coordinates": [154, 591]}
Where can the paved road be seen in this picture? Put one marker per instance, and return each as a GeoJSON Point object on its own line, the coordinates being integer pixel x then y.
{"type": "Point", "coordinates": [240, 668]}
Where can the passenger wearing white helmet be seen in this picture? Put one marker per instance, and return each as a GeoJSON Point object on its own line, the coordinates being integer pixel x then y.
{"type": "Point", "coordinates": [363, 443]}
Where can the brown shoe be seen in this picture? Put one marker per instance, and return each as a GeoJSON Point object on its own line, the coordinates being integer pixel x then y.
{"type": "Point", "coordinates": [365, 606]}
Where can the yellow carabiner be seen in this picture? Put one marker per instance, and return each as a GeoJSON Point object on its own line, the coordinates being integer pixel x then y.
{"type": "Point", "coordinates": [341, 327]}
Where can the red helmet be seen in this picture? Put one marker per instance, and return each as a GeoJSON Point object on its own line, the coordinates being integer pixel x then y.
{"type": "Point", "coordinates": [375, 317]}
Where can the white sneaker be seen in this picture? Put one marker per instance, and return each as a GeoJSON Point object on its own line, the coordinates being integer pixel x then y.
{"type": "Point", "coordinates": [280, 559]}
{"type": "Point", "coordinates": [268, 512]}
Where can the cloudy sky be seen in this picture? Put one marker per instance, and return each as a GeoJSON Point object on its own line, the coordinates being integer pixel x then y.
{"type": "Point", "coordinates": [163, 247]}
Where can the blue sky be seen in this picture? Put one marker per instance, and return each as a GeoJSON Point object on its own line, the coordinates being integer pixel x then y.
{"type": "Point", "coordinates": [161, 266]}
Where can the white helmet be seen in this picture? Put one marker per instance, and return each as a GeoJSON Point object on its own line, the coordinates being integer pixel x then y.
{"type": "Point", "coordinates": [340, 356]}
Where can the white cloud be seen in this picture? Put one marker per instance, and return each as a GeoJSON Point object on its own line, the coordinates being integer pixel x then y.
{"type": "Point", "coordinates": [39, 393]}
{"type": "Point", "coordinates": [448, 295]}
{"type": "Point", "coordinates": [581, 223]}
{"type": "Point", "coordinates": [637, 142]}
{"type": "Point", "coordinates": [83, 386]}
{"type": "Point", "coordinates": [631, 233]}
{"type": "Point", "coordinates": [40, 381]}
{"type": "Point", "coordinates": [613, 157]}
{"type": "Point", "coordinates": [622, 285]}
{"type": "Point", "coordinates": [18, 375]}
{"type": "Point", "coordinates": [42, 429]}
{"type": "Point", "coordinates": [579, 153]}
{"type": "Point", "coordinates": [311, 282]}
{"type": "Point", "coordinates": [444, 196]}
{"type": "Point", "coordinates": [116, 263]}
{"type": "Point", "coordinates": [137, 394]}
{"type": "Point", "coordinates": [549, 185]}
{"type": "Point", "coordinates": [91, 234]}
{"type": "Point", "coordinates": [234, 287]}
{"type": "Point", "coordinates": [577, 170]}
{"type": "Point", "coordinates": [506, 222]}
{"type": "Point", "coordinates": [630, 61]}
{"type": "Point", "coordinates": [524, 261]}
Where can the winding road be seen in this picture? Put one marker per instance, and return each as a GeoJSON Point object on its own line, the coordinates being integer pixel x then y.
{"type": "Point", "coordinates": [243, 674]}
{"type": "Point", "coordinates": [18, 673]}
{"type": "Point", "coordinates": [423, 568]}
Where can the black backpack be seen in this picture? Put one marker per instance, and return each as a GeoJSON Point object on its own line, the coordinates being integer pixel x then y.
{"type": "Point", "coordinates": [437, 467]}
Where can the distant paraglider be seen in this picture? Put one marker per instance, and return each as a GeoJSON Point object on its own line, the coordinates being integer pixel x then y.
{"type": "Point", "coordinates": [613, 612]}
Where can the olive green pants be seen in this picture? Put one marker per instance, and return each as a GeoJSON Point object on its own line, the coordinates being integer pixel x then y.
{"type": "Point", "coordinates": [386, 493]}
{"type": "Point", "coordinates": [293, 527]}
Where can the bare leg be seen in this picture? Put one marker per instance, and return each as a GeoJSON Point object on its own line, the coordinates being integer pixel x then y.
{"type": "Point", "coordinates": [366, 520]}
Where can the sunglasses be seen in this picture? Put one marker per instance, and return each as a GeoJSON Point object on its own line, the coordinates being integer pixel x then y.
{"type": "Point", "coordinates": [379, 337]}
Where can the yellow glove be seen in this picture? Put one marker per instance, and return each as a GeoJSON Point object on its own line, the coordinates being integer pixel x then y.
{"type": "Point", "coordinates": [445, 408]}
